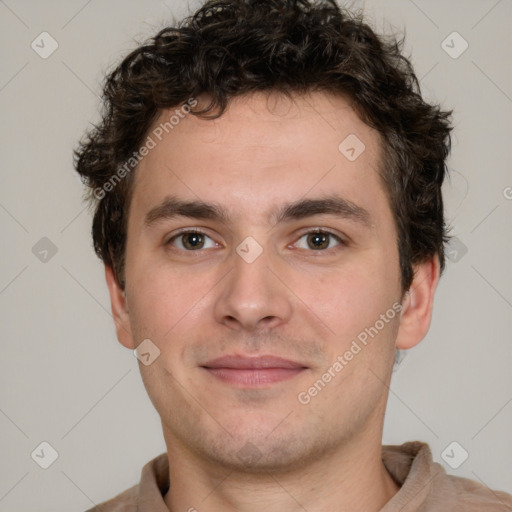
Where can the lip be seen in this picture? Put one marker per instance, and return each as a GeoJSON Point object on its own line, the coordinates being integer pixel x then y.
{"type": "Point", "coordinates": [253, 372]}
{"type": "Point", "coordinates": [240, 362]}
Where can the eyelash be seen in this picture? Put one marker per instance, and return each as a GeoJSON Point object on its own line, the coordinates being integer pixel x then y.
{"type": "Point", "coordinates": [188, 231]}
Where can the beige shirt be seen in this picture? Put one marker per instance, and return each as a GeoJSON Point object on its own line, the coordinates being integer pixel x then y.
{"type": "Point", "coordinates": [424, 487]}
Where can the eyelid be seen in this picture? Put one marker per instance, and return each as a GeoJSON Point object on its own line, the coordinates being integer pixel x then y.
{"type": "Point", "coordinates": [181, 231]}
{"type": "Point", "coordinates": [318, 229]}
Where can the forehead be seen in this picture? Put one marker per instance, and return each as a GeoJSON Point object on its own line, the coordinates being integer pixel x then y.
{"type": "Point", "coordinates": [264, 150]}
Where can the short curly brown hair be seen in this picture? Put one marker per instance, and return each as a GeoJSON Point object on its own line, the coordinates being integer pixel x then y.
{"type": "Point", "coordinates": [230, 48]}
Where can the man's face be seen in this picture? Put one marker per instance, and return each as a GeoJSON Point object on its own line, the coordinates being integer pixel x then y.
{"type": "Point", "coordinates": [282, 273]}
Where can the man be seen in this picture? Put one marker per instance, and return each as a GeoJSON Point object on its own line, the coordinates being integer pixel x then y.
{"type": "Point", "coordinates": [267, 183]}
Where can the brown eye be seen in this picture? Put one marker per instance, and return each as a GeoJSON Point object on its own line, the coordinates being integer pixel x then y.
{"type": "Point", "coordinates": [192, 241]}
{"type": "Point", "coordinates": [319, 241]}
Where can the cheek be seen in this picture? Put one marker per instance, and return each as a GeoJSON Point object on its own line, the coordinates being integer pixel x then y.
{"type": "Point", "coordinates": [352, 299]}
{"type": "Point", "coordinates": [155, 304]}
{"type": "Point", "coordinates": [168, 306]}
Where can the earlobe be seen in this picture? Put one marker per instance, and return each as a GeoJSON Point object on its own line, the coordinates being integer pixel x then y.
{"type": "Point", "coordinates": [119, 308]}
{"type": "Point", "coordinates": [418, 304]}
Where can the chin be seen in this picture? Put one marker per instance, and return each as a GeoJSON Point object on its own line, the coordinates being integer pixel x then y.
{"type": "Point", "coordinates": [253, 451]}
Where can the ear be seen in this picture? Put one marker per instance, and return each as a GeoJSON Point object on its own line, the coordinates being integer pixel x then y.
{"type": "Point", "coordinates": [119, 309]}
{"type": "Point", "coordinates": [418, 304]}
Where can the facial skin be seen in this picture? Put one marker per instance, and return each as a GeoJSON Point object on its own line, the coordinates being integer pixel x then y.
{"type": "Point", "coordinates": [294, 301]}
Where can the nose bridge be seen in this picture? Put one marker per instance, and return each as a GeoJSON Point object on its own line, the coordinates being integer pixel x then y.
{"type": "Point", "coordinates": [252, 296]}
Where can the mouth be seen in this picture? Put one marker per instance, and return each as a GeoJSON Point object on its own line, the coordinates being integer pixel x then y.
{"type": "Point", "coordinates": [253, 372]}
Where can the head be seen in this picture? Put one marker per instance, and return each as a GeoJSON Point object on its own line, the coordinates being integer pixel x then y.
{"type": "Point", "coordinates": [235, 124]}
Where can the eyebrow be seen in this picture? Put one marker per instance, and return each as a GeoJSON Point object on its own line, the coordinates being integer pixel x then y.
{"type": "Point", "coordinates": [172, 207]}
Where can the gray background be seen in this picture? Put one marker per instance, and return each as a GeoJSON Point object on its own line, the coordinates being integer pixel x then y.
{"type": "Point", "coordinates": [64, 377]}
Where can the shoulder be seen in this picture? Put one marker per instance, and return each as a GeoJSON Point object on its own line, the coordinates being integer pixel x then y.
{"type": "Point", "coordinates": [473, 496]}
{"type": "Point", "coordinates": [123, 502]}
{"type": "Point", "coordinates": [426, 486]}
{"type": "Point", "coordinates": [153, 484]}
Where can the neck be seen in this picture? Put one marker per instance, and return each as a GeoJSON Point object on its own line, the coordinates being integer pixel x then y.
{"type": "Point", "coordinates": [352, 477]}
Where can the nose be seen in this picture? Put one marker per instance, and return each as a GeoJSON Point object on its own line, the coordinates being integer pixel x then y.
{"type": "Point", "coordinates": [253, 296]}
